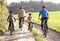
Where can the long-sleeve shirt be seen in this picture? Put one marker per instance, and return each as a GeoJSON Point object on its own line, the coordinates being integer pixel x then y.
{"type": "Point", "coordinates": [43, 13]}
{"type": "Point", "coordinates": [21, 13]}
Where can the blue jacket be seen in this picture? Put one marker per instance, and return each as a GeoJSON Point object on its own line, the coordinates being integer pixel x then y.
{"type": "Point", "coordinates": [44, 13]}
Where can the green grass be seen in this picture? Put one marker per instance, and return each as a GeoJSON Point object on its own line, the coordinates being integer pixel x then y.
{"type": "Point", "coordinates": [53, 22]}
{"type": "Point", "coordinates": [37, 37]}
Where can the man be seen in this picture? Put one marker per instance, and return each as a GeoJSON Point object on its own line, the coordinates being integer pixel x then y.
{"type": "Point", "coordinates": [44, 17]}
{"type": "Point", "coordinates": [21, 15]}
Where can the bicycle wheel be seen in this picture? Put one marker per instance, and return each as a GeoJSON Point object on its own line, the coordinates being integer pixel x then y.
{"type": "Point", "coordinates": [45, 30]}
{"type": "Point", "coordinates": [31, 26]}
{"type": "Point", "coordinates": [45, 34]}
{"type": "Point", "coordinates": [11, 29]}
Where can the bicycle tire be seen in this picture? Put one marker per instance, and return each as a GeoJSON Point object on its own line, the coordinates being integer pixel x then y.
{"type": "Point", "coordinates": [11, 29]}
{"type": "Point", "coordinates": [31, 26]}
{"type": "Point", "coordinates": [45, 30]}
{"type": "Point", "coordinates": [11, 32]}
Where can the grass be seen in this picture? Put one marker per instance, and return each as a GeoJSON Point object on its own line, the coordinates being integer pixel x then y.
{"type": "Point", "coordinates": [37, 37]}
{"type": "Point", "coordinates": [53, 22]}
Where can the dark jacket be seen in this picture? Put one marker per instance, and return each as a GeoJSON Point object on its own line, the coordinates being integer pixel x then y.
{"type": "Point", "coordinates": [10, 18]}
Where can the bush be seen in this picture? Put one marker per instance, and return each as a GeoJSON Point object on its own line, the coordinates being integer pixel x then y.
{"type": "Point", "coordinates": [1, 32]}
{"type": "Point", "coordinates": [3, 18]}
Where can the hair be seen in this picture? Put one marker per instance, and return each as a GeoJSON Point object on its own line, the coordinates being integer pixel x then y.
{"type": "Point", "coordinates": [21, 7]}
{"type": "Point", "coordinates": [10, 12]}
{"type": "Point", "coordinates": [43, 7]}
{"type": "Point", "coordinates": [30, 13]}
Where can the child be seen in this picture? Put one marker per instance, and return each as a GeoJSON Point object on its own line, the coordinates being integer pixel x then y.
{"type": "Point", "coordinates": [30, 22]}
{"type": "Point", "coordinates": [10, 20]}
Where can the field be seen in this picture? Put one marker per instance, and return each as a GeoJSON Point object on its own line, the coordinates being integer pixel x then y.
{"type": "Point", "coordinates": [53, 22]}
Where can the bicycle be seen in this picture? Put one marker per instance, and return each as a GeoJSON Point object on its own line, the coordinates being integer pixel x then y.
{"type": "Point", "coordinates": [45, 30]}
{"type": "Point", "coordinates": [21, 24]}
{"type": "Point", "coordinates": [11, 29]}
{"type": "Point", "coordinates": [30, 26]}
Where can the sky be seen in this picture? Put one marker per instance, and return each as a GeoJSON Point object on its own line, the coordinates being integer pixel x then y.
{"type": "Point", "coordinates": [54, 1]}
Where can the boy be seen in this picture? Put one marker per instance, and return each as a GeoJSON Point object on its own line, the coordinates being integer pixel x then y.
{"type": "Point", "coordinates": [10, 20]}
{"type": "Point", "coordinates": [44, 19]}
{"type": "Point", "coordinates": [45, 15]}
{"type": "Point", "coordinates": [30, 22]}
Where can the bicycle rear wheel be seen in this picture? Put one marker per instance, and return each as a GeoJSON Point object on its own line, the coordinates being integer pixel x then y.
{"type": "Point", "coordinates": [45, 30]}
{"type": "Point", "coordinates": [11, 29]}
{"type": "Point", "coordinates": [45, 34]}
{"type": "Point", "coordinates": [30, 26]}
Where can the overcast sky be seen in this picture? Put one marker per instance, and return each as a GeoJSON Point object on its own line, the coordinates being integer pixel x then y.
{"type": "Point", "coordinates": [54, 1]}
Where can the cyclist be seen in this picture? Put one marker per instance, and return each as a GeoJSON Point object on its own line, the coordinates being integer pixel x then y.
{"type": "Point", "coordinates": [44, 16]}
{"type": "Point", "coordinates": [30, 21]}
{"type": "Point", "coordinates": [10, 20]}
{"type": "Point", "coordinates": [21, 15]}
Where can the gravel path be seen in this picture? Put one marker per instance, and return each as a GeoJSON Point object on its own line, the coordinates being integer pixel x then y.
{"type": "Point", "coordinates": [52, 36]}
{"type": "Point", "coordinates": [18, 35]}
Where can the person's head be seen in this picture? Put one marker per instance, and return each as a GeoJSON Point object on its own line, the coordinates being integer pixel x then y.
{"type": "Point", "coordinates": [43, 7]}
{"type": "Point", "coordinates": [21, 7]}
{"type": "Point", "coordinates": [30, 14]}
{"type": "Point", "coordinates": [10, 12]}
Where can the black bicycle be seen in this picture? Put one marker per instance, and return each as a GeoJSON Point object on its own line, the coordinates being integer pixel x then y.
{"type": "Point", "coordinates": [44, 29]}
{"type": "Point", "coordinates": [30, 26]}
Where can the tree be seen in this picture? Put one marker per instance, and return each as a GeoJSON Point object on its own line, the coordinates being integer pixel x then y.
{"type": "Point", "coordinates": [34, 6]}
{"type": "Point", "coordinates": [2, 3]}
{"type": "Point", "coordinates": [3, 16]}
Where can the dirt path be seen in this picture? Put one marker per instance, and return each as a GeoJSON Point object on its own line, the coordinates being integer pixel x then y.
{"type": "Point", "coordinates": [23, 35]}
{"type": "Point", "coordinates": [52, 36]}
{"type": "Point", "coordinates": [26, 35]}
